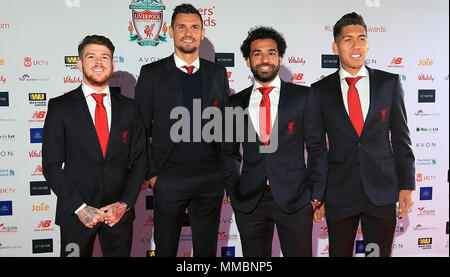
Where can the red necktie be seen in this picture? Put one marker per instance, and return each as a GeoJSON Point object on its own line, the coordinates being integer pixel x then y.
{"type": "Point", "coordinates": [354, 105]}
{"type": "Point", "coordinates": [265, 124]}
{"type": "Point", "coordinates": [101, 121]}
{"type": "Point", "coordinates": [189, 68]}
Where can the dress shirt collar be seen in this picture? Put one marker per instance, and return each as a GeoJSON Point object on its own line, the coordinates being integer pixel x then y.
{"type": "Point", "coordinates": [344, 74]}
{"type": "Point", "coordinates": [275, 83]}
{"type": "Point", "coordinates": [180, 63]}
{"type": "Point", "coordinates": [88, 90]}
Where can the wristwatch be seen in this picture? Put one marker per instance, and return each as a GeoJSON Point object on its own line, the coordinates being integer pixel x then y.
{"type": "Point", "coordinates": [125, 205]}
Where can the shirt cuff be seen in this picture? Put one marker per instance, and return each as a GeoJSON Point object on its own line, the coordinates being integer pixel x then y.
{"type": "Point", "coordinates": [80, 208]}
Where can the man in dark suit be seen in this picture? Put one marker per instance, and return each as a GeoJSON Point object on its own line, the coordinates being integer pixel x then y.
{"type": "Point", "coordinates": [273, 188]}
{"type": "Point", "coordinates": [94, 158]}
{"type": "Point", "coordinates": [370, 160]}
{"type": "Point", "coordinates": [187, 173]}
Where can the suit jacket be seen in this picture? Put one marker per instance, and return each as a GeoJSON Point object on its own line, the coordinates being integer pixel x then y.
{"type": "Point", "coordinates": [284, 168]}
{"type": "Point", "coordinates": [381, 160]}
{"type": "Point", "coordinates": [158, 91]}
{"type": "Point", "coordinates": [86, 176]}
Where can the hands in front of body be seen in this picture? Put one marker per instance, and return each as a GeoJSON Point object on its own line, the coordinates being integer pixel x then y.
{"type": "Point", "coordinates": [110, 214]}
{"type": "Point", "coordinates": [319, 211]}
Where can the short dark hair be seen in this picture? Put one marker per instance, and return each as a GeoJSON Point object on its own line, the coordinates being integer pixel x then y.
{"type": "Point", "coordinates": [95, 39]}
{"type": "Point", "coordinates": [348, 19]}
{"type": "Point", "coordinates": [187, 9]}
{"type": "Point", "coordinates": [263, 32]}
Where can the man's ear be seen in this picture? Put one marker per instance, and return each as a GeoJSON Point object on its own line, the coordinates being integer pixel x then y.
{"type": "Point", "coordinates": [80, 65]}
{"type": "Point", "coordinates": [335, 48]}
{"type": "Point", "coordinates": [171, 32]}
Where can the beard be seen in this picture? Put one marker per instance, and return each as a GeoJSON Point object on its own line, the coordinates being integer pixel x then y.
{"type": "Point", "coordinates": [187, 49]}
{"type": "Point", "coordinates": [92, 79]}
{"type": "Point", "coordinates": [265, 77]}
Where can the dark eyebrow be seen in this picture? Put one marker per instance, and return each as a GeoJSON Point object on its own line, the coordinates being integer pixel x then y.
{"type": "Point", "coordinates": [349, 36]}
{"type": "Point", "coordinates": [269, 50]}
{"type": "Point", "coordinates": [103, 54]}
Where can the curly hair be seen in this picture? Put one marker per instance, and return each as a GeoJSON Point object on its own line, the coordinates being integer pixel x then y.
{"type": "Point", "coordinates": [263, 33]}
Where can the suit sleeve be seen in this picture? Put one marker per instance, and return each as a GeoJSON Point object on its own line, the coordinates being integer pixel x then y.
{"type": "Point", "coordinates": [401, 141]}
{"type": "Point", "coordinates": [54, 155]}
{"type": "Point", "coordinates": [231, 157]}
{"type": "Point", "coordinates": [231, 150]}
{"type": "Point", "coordinates": [232, 164]}
{"type": "Point", "coordinates": [137, 160]}
{"type": "Point", "coordinates": [315, 138]}
{"type": "Point", "coordinates": [144, 99]}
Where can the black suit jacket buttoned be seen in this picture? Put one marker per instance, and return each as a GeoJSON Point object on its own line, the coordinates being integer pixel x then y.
{"type": "Point", "coordinates": [73, 163]}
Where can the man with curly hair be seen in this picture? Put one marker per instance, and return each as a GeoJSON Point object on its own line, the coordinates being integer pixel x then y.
{"type": "Point", "coordinates": [273, 188]}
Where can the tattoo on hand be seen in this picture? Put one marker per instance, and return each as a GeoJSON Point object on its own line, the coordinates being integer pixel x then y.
{"type": "Point", "coordinates": [87, 215]}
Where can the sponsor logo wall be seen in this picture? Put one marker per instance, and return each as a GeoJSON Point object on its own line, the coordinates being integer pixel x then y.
{"type": "Point", "coordinates": [33, 73]}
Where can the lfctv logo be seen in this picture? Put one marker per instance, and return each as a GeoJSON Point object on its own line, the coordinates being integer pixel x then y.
{"type": "Point", "coordinates": [27, 62]}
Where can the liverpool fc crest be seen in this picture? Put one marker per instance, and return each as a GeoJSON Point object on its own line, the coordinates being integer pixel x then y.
{"type": "Point", "coordinates": [147, 22]}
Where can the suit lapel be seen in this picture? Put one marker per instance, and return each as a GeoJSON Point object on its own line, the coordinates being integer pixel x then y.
{"type": "Point", "coordinates": [86, 122]}
{"type": "Point", "coordinates": [173, 82]}
{"type": "Point", "coordinates": [373, 88]}
{"type": "Point", "coordinates": [205, 77]}
{"type": "Point", "coordinates": [115, 117]}
{"type": "Point", "coordinates": [248, 124]}
{"type": "Point", "coordinates": [283, 101]}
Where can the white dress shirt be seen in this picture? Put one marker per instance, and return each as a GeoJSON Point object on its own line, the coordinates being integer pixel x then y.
{"type": "Point", "coordinates": [255, 101]}
{"type": "Point", "coordinates": [362, 86]}
{"type": "Point", "coordinates": [87, 91]}
{"type": "Point", "coordinates": [180, 63]}
{"type": "Point", "coordinates": [92, 103]}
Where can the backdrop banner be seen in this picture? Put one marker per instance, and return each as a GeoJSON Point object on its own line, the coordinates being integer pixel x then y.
{"type": "Point", "coordinates": [38, 55]}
